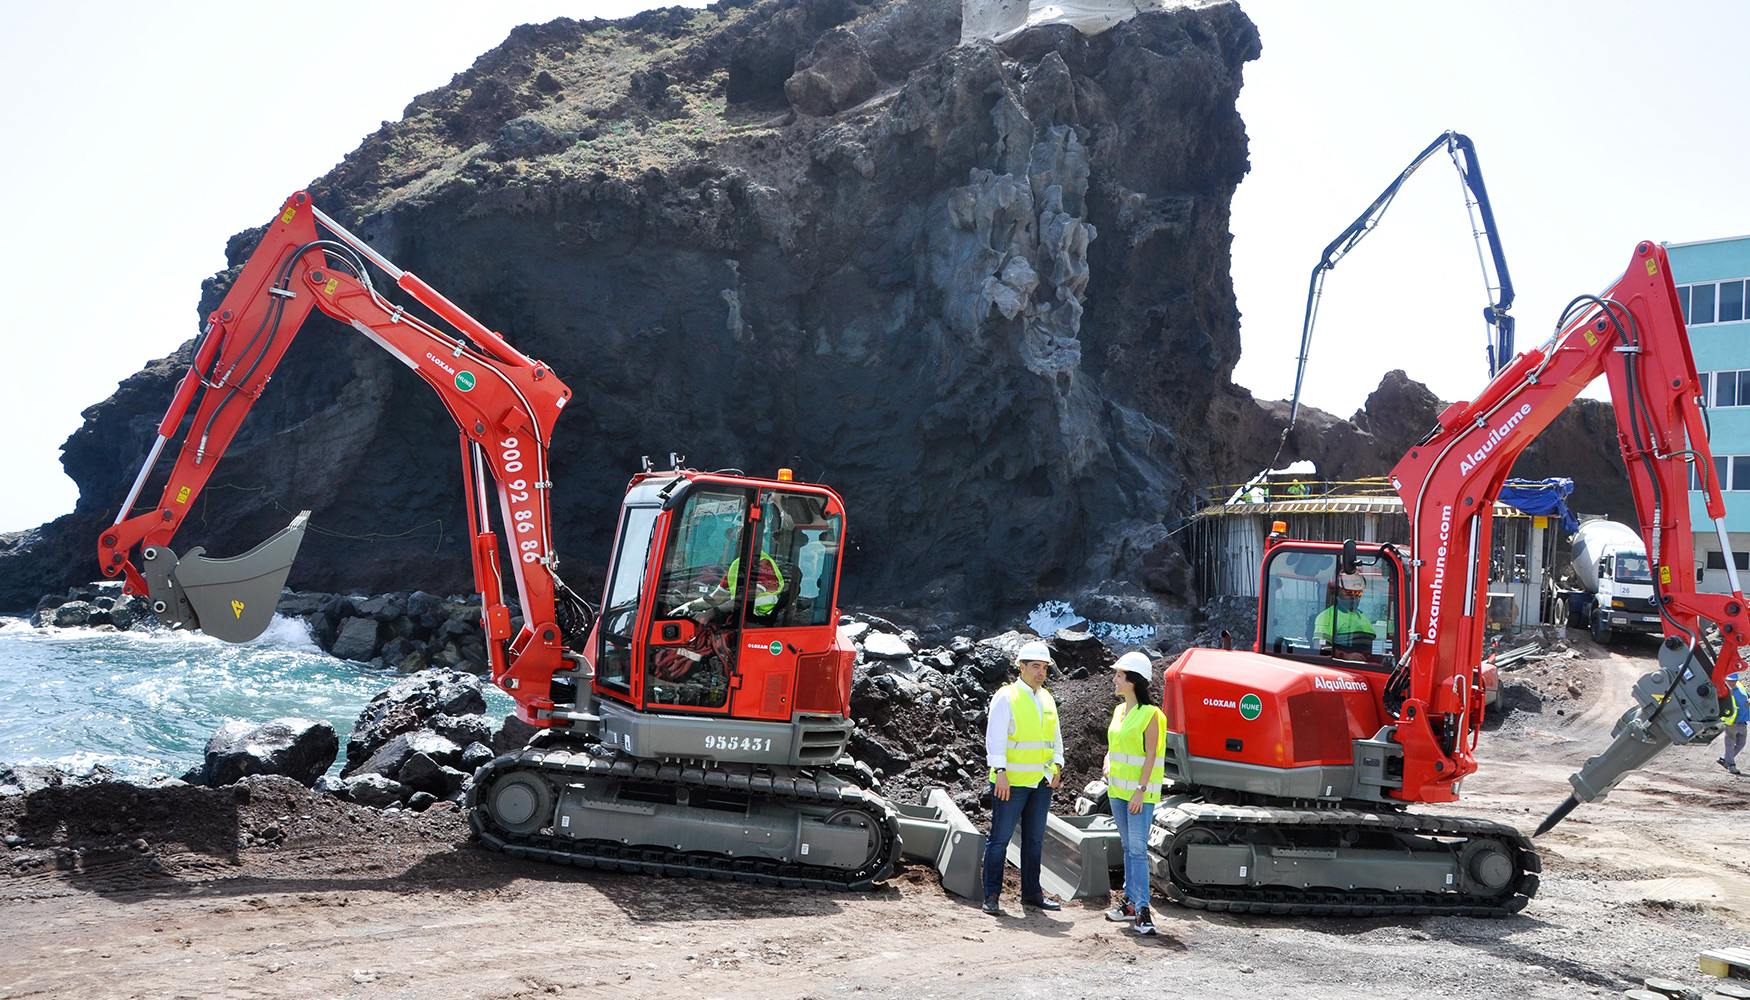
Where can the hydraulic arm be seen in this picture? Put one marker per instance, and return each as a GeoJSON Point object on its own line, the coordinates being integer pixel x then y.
{"type": "Point", "coordinates": [1633, 334]}
{"type": "Point", "coordinates": [504, 405]}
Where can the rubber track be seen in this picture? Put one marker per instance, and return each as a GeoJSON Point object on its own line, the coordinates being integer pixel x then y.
{"type": "Point", "coordinates": [1333, 902]}
{"type": "Point", "coordinates": [813, 786]}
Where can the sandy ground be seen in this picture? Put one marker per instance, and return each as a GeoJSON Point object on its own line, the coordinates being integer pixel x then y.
{"type": "Point", "coordinates": [401, 906]}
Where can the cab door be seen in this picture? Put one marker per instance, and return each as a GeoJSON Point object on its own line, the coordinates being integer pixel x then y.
{"type": "Point", "coordinates": [788, 664]}
{"type": "Point", "coordinates": [691, 652]}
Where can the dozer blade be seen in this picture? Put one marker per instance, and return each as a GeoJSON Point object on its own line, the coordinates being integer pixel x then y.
{"type": "Point", "coordinates": [231, 599]}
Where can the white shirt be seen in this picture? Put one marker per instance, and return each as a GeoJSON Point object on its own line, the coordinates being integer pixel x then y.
{"type": "Point", "coordinates": [1002, 725]}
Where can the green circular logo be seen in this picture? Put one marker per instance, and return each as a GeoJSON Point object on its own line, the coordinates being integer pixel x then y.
{"type": "Point", "coordinates": [1251, 707]}
{"type": "Point", "coordinates": [776, 647]}
{"type": "Point", "coordinates": [464, 381]}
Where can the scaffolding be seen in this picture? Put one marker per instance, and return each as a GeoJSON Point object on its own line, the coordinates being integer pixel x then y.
{"type": "Point", "coordinates": [1227, 535]}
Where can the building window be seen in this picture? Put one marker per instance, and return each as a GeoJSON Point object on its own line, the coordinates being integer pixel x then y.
{"type": "Point", "coordinates": [1733, 472]}
{"type": "Point", "coordinates": [1720, 389]}
{"type": "Point", "coordinates": [1712, 302]}
{"type": "Point", "coordinates": [1731, 301]}
{"type": "Point", "coordinates": [1717, 560]}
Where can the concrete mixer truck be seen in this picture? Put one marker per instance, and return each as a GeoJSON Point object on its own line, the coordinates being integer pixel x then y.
{"type": "Point", "coordinates": [1610, 588]}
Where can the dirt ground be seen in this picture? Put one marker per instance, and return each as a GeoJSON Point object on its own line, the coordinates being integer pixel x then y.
{"type": "Point", "coordinates": [331, 900]}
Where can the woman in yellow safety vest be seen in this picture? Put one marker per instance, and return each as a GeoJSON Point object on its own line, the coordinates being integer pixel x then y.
{"type": "Point", "coordinates": [1134, 775]}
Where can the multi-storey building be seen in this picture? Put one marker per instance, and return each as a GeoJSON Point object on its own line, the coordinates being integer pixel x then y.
{"type": "Point", "coordinates": [1711, 280]}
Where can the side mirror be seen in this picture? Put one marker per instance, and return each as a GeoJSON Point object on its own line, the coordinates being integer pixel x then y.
{"type": "Point", "coordinates": [1350, 558]}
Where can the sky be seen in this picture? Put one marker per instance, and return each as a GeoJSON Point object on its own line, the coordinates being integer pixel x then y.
{"type": "Point", "coordinates": [141, 136]}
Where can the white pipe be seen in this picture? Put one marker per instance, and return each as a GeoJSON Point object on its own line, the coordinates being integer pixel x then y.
{"type": "Point", "coordinates": [1726, 550]}
{"type": "Point", "coordinates": [357, 244]}
{"type": "Point", "coordinates": [158, 446]}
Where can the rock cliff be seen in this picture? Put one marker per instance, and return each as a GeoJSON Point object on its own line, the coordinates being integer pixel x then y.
{"type": "Point", "coordinates": [983, 291]}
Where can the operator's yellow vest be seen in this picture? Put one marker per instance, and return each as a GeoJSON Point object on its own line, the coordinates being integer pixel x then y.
{"type": "Point", "coordinates": [1033, 742]}
{"type": "Point", "coordinates": [1124, 741]}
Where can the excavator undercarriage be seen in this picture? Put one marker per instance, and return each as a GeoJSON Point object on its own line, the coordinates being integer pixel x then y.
{"type": "Point", "coordinates": [594, 806]}
{"type": "Point", "coordinates": [1338, 861]}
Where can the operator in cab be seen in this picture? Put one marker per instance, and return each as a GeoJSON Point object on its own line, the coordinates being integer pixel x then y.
{"type": "Point", "coordinates": [1342, 624]}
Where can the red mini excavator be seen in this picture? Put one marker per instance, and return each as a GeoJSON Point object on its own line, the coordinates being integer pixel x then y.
{"type": "Point", "coordinates": [1293, 763]}
{"type": "Point", "coordinates": [696, 727]}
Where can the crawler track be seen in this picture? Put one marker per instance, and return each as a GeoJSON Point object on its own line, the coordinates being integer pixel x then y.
{"type": "Point", "coordinates": [802, 786]}
{"type": "Point", "coordinates": [1276, 825]}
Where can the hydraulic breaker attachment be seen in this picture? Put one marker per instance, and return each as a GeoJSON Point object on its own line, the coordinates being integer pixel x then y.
{"type": "Point", "coordinates": [230, 599]}
{"type": "Point", "coordinates": [1676, 704]}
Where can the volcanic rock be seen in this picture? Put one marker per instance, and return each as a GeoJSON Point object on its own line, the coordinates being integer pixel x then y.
{"type": "Point", "coordinates": [375, 791]}
{"type": "Point", "coordinates": [411, 704]}
{"type": "Point", "coordinates": [300, 749]}
{"type": "Point", "coordinates": [881, 646]}
{"type": "Point", "coordinates": [980, 290]}
{"type": "Point", "coordinates": [391, 759]}
{"type": "Point", "coordinates": [357, 639]}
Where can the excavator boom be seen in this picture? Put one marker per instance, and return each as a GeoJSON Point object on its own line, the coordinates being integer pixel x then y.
{"type": "Point", "coordinates": [504, 405]}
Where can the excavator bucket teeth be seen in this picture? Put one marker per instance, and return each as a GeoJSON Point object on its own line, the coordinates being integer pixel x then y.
{"type": "Point", "coordinates": [234, 599]}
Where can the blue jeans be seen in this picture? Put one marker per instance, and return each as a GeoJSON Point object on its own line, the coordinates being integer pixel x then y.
{"type": "Point", "coordinates": [1133, 835]}
{"type": "Point", "coordinates": [1026, 808]}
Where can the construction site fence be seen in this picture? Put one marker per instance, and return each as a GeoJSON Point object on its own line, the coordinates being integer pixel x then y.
{"type": "Point", "coordinates": [1298, 488]}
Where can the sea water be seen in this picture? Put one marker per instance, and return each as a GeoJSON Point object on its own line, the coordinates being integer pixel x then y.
{"type": "Point", "coordinates": [146, 702]}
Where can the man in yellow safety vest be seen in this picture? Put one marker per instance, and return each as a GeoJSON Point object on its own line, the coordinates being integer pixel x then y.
{"type": "Point", "coordinates": [1342, 625]}
{"type": "Point", "coordinates": [1735, 717]}
{"type": "Point", "coordinates": [1024, 747]}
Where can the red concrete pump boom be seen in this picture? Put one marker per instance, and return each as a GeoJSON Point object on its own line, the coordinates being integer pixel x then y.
{"type": "Point", "coordinates": [503, 403]}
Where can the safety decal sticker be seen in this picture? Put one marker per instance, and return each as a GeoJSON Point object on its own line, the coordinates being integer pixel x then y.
{"type": "Point", "coordinates": [289, 215]}
{"type": "Point", "coordinates": [1251, 706]}
{"type": "Point", "coordinates": [329, 288]}
{"type": "Point", "coordinates": [1652, 267]}
{"type": "Point", "coordinates": [465, 381]}
{"type": "Point", "coordinates": [182, 495]}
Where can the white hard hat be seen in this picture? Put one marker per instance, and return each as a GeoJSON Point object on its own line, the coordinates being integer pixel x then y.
{"type": "Point", "coordinates": [1136, 662]}
{"type": "Point", "coordinates": [1034, 651]}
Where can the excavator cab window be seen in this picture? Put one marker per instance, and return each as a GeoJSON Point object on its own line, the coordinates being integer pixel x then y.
{"type": "Point", "coordinates": [619, 620]}
{"type": "Point", "coordinates": [799, 558]}
{"type": "Point", "coordinates": [1313, 609]}
{"type": "Point", "coordinates": [693, 639]}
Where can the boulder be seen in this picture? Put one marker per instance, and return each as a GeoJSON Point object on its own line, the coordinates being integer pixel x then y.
{"type": "Point", "coordinates": [410, 704]}
{"type": "Point", "coordinates": [882, 646]}
{"type": "Point", "coordinates": [392, 757]}
{"type": "Point", "coordinates": [330, 786]}
{"type": "Point", "coordinates": [834, 75]}
{"type": "Point", "coordinates": [421, 801]}
{"type": "Point", "coordinates": [474, 755]}
{"type": "Point", "coordinates": [300, 749]}
{"type": "Point", "coordinates": [513, 735]}
{"type": "Point", "coordinates": [462, 730]}
{"type": "Point", "coordinates": [71, 614]}
{"type": "Point", "coordinates": [357, 639]}
{"type": "Point", "coordinates": [1074, 651]}
{"type": "Point", "coordinates": [423, 773]}
{"type": "Point", "coordinates": [376, 791]}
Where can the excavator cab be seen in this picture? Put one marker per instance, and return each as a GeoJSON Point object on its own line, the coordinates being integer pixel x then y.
{"type": "Point", "coordinates": [1332, 604]}
{"type": "Point", "coordinates": [720, 599]}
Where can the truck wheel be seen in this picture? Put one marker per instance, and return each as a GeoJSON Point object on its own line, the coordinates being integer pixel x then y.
{"type": "Point", "coordinates": [1601, 630]}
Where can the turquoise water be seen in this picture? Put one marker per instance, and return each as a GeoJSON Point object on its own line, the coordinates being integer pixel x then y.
{"type": "Point", "coordinates": [143, 703]}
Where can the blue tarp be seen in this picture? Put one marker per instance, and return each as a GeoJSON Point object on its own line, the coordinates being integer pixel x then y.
{"type": "Point", "coordinates": [1542, 497]}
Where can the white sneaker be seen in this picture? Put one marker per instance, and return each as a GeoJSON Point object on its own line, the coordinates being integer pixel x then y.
{"type": "Point", "coordinates": [1144, 922]}
{"type": "Point", "coordinates": [1124, 913]}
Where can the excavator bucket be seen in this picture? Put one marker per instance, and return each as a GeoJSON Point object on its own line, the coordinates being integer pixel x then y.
{"type": "Point", "coordinates": [230, 599]}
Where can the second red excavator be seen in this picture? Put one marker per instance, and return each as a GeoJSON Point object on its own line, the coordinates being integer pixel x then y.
{"type": "Point", "coordinates": [1293, 763]}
